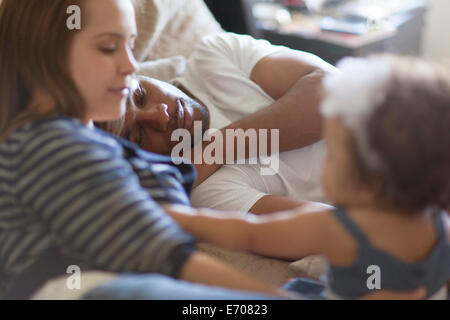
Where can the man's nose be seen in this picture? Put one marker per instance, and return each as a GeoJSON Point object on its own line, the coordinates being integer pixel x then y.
{"type": "Point", "coordinates": [156, 116]}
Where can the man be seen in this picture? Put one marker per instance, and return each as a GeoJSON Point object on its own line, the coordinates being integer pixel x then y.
{"type": "Point", "coordinates": [234, 81]}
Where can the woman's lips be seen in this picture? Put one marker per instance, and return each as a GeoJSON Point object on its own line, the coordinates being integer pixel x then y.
{"type": "Point", "coordinates": [124, 92]}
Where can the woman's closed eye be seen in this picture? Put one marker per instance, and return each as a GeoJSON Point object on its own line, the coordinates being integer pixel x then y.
{"type": "Point", "coordinates": [108, 48]}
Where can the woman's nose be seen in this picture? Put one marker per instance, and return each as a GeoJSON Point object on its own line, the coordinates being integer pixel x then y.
{"type": "Point", "coordinates": [156, 116]}
{"type": "Point", "coordinates": [128, 63]}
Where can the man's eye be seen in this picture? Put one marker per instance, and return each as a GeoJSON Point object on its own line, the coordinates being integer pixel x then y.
{"type": "Point", "coordinates": [139, 97]}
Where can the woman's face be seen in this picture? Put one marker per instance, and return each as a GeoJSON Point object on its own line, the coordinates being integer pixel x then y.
{"type": "Point", "coordinates": [101, 59]}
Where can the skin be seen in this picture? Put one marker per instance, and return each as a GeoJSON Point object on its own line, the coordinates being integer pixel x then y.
{"type": "Point", "coordinates": [294, 234]}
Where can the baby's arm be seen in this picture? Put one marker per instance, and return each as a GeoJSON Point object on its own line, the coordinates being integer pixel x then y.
{"type": "Point", "coordinates": [287, 235]}
{"type": "Point", "coordinates": [225, 229]}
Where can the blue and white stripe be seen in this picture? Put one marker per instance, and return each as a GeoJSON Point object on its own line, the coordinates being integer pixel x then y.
{"type": "Point", "coordinates": [63, 184]}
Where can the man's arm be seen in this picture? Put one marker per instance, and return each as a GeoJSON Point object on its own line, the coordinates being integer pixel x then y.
{"type": "Point", "coordinates": [279, 71]}
{"type": "Point", "coordinates": [294, 80]}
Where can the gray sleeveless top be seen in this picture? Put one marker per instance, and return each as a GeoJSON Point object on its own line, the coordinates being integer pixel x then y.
{"type": "Point", "coordinates": [352, 282]}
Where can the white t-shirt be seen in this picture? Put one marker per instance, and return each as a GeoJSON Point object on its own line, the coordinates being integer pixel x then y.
{"type": "Point", "coordinates": [218, 73]}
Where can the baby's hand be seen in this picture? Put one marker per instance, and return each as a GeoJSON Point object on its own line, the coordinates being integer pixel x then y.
{"type": "Point", "coordinates": [180, 214]}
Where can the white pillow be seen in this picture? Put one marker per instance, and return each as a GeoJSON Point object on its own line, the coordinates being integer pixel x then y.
{"type": "Point", "coordinates": [168, 28]}
{"type": "Point", "coordinates": [165, 69]}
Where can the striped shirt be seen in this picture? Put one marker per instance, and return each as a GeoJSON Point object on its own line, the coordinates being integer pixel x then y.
{"type": "Point", "coordinates": [90, 195]}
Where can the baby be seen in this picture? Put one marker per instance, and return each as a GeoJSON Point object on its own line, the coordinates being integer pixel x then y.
{"type": "Point", "coordinates": [387, 171]}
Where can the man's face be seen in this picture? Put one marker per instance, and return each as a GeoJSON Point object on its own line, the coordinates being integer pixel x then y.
{"type": "Point", "coordinates": [160, 108]}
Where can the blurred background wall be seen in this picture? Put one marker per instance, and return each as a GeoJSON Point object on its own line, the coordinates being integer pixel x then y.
{"type": "Point", "coordinates": [436, 44]}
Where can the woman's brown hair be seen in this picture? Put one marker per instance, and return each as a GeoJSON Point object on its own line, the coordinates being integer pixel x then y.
{"type": "Point", "coordinates": [34, 50]}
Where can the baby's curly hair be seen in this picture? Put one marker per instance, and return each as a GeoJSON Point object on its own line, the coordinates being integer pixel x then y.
{"type": "Point", "coordinates": [410, 130]}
